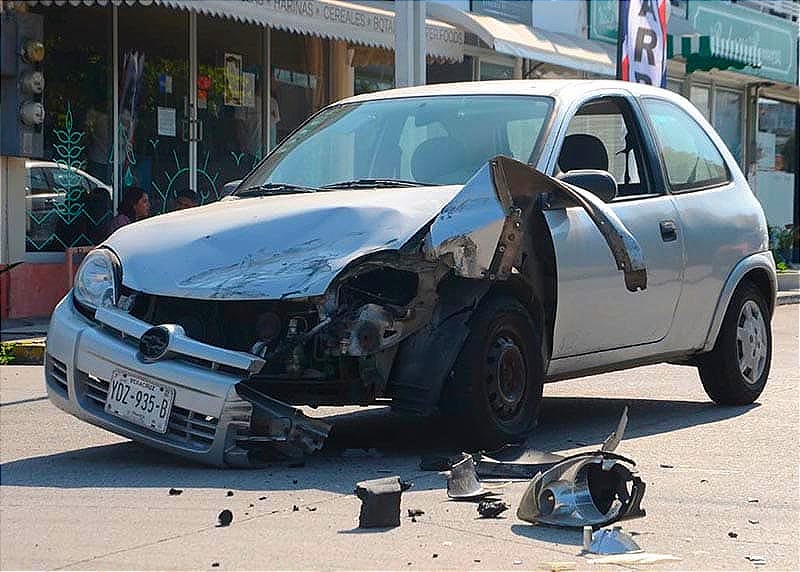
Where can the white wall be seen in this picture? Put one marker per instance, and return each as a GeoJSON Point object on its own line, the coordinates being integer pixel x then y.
{"type": "Point", "coordinates": [460, 4]}
{"type": "Point", "coordinates": [565, 16]}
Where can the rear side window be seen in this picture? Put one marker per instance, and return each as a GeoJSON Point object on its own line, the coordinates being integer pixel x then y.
{"type": "Point", "coordinates": [38, 182]}
{"type": "Point", "coordinates": [690, 157]}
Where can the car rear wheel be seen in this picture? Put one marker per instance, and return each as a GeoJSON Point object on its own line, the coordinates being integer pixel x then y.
{"type": "Point", "coordinates": [736, 370]}
{"type": "Point", "coordinates": [495, 391]}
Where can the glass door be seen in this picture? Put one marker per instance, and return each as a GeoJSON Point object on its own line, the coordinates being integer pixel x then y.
{"type": "Point", "coordinates": [153, 134]}
{"type": "Point", "coordinates": [230, 103]}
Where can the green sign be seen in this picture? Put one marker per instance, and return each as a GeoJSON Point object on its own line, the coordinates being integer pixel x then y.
{"type": "Point", "coordinates": [604, 20]}
{"type": "Point", "coordinates": [775, 38]}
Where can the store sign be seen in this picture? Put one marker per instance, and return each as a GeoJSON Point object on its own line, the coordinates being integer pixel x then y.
{"type": "Point", "coordinates": [339, 20]}
{"type": "Point", "coordinates": [775, 38]}
{"type": "Point", "coordinates": [512, 10]}
{"type": "Point", "coordinates": [604, 20]}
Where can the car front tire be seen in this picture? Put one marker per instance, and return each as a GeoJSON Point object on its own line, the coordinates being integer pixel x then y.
{"type": "Point", "coordinates": [736, 370]}
{"type": "Point", "coordinates": [495, 390]}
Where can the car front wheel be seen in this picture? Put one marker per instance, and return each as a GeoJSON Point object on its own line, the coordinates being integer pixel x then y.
{"type": "Point", "coordinates": [735, 371]}
{"type": "Point", "coordinates": [495, 390]}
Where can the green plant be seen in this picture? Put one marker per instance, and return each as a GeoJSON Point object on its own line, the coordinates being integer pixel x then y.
{"type": "Point", "coordinates": [782, 266]}
{"type": "Point", "coordinates": [781, 241]}
{"type": "Point", "coordinates": [7, 353]}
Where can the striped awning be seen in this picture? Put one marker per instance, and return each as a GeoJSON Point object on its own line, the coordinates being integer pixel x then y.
{"type": "Point", "coordinates": [704, 53]}
{"type": "Point", "coordinates": [333, 19]}
{"type": "Point", "coordinates": [531, 43]}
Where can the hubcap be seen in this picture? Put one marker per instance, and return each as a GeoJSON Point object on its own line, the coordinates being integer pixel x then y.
{"type": "Point", "coordinates": [506, 377]}
{"type": "Point", "coordinates": [751, 342]}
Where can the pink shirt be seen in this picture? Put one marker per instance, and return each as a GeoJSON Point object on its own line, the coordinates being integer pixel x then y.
{"type": "Point", "coordinates": [117, 222]}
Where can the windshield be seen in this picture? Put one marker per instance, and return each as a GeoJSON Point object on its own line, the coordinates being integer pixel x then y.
{"type": "Point", "coordinates": [441, 140]}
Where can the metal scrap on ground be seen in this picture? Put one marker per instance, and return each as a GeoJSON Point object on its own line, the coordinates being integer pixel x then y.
{"type": "Point", "coordinates": [612, 541]}
{"type": "Point", "coordinates": [462, 482]}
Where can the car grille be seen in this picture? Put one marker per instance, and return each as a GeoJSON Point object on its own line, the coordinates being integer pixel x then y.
{"type": "Point", "coordinates": [186, 427]}
{"type": "Point", "coordinates": [57, 375]}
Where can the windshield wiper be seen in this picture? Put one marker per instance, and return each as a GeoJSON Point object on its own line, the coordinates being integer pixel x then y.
{"type": "Point", "coordinates": [373, 183]}
{"type": "Point", "coordinates": [274, 189]}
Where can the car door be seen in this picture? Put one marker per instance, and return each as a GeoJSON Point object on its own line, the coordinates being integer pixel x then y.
{"type": "Point", "coordinates": [594, 313]}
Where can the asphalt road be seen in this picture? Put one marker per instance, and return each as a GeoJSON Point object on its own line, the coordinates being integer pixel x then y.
{"type": "Point", "coordinates": [76, 497]}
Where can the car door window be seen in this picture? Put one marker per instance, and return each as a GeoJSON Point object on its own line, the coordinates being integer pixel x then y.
{"type": "Point", "coordinates": [602, 135]}
{"type": "Point", "coordinates": [691, 159]}
{"type": "Point", "coordinates": [37, 181]}
{"type": "Point", "coordinates": [68, 179]}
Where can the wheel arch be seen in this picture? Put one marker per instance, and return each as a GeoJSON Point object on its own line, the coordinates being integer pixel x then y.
{"type": "Point", "coordinates": [758, 269]}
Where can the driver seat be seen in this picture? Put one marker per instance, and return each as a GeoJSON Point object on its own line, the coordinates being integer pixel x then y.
{"type": "Point", "coordinates": [582, 151]}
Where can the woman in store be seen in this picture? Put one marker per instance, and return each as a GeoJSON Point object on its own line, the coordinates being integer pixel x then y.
{"type": "Point", "coordinates": [135, 206]}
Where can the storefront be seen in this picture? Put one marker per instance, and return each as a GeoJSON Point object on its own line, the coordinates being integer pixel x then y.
{"type": "Point", "coordinates": [170, 96]}
{"type": "Point", "coordinates": [739, 67]}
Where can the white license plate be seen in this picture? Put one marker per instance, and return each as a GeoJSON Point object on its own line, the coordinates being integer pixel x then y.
{"type": "Point", "coordinates": [139, 401]}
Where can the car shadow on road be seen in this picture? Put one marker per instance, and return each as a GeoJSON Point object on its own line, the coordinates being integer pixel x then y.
{"type": "Point", "coordinates": [364, 444]}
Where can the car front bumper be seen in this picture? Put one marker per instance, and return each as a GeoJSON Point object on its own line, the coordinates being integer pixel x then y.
{"type": "Point", "coordinates": [208, 420]}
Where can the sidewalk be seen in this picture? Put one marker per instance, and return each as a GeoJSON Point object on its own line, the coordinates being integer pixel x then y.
{"type": "Point", "coordinates": [24, 339]}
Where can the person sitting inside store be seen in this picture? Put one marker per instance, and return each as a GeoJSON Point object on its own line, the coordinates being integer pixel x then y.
{"type": "Point", "coordinates": [135, 206]}
{"type": "Point", "coordinates": [185, 199]}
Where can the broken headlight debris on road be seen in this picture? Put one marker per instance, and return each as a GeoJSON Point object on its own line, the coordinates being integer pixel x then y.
{"type": "Point", "coordinates": [587, 489]}
{"type": "Point", "coordinates": [593, 489]}
{"type": "Point", "coordinates": [462, 481]}
{"type": "Point", "coordinates": [609, 541]}
{"type": "Point", "coordinates": [491, 508]}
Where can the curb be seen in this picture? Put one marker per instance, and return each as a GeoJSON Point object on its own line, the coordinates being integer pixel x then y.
{"type": "Point", "coordinates": [25, 352]}
{"type": "Point", "coordinates": [785, 298]}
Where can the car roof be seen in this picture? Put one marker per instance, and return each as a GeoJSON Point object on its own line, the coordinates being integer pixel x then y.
{"type": "Point", "coordinates": [564, 89]}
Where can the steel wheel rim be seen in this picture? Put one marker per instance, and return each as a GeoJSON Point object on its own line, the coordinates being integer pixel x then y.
{"type": "Point", "coordinates": [506, 377]}
{"type": "Point", "coordinates": [751, 342]}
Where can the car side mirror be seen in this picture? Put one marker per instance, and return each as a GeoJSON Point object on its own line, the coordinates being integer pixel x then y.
{"type": "Point", "coordinates": [229, 187]}
{"type": "Point", "coordinates": [601, 183]}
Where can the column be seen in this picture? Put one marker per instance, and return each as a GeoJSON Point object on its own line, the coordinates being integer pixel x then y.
{"type": "Point", "coordinates": [409, 43]}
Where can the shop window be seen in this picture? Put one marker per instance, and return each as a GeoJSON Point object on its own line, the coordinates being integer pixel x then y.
{"type": "Point", "coordinates": [776, 162]}
{"type": "Point", "coordinates": [373, 69]}
{"type": "Point", "coordinates": [691, 159]}
{"type": "Point", "coordinates": [449, 72]}
{"type": "Point", "coordinates": [300, 78]}
{"type": "Point", "coordinates": [153, 103]}
{"type": "Point", "coordinates": [701, 97]}
{"type": "Point", "coordinates": [231, 103]}
{"type": "Point", "coordinates": [68, 195]}
{"type": "Point", "coordinates": [728, 120]}
{"type": "Point", "coordinates": [675, 86]}
{"type": "Point", "coordinates": [489, 71]}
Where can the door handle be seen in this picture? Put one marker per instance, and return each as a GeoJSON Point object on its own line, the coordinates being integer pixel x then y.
{"type": "Point", "coordinates": [669, 231]}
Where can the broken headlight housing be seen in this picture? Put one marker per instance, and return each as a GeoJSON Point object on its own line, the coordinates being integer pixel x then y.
{"type": "Point", "coordinates": [588, 489]}
{"type": "Point", "coordinates": [96, 283]}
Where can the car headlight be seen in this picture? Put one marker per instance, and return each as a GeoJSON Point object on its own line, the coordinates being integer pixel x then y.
{"type": "Point", "coordinates": [96, 280]}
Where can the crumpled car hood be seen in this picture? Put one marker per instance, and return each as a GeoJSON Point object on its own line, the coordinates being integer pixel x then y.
{"type": "Point", "coordinates": [284, 246]}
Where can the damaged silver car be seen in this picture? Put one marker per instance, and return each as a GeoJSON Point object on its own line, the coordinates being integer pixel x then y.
{"type": "Point", "coordinates": [447, 247]}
